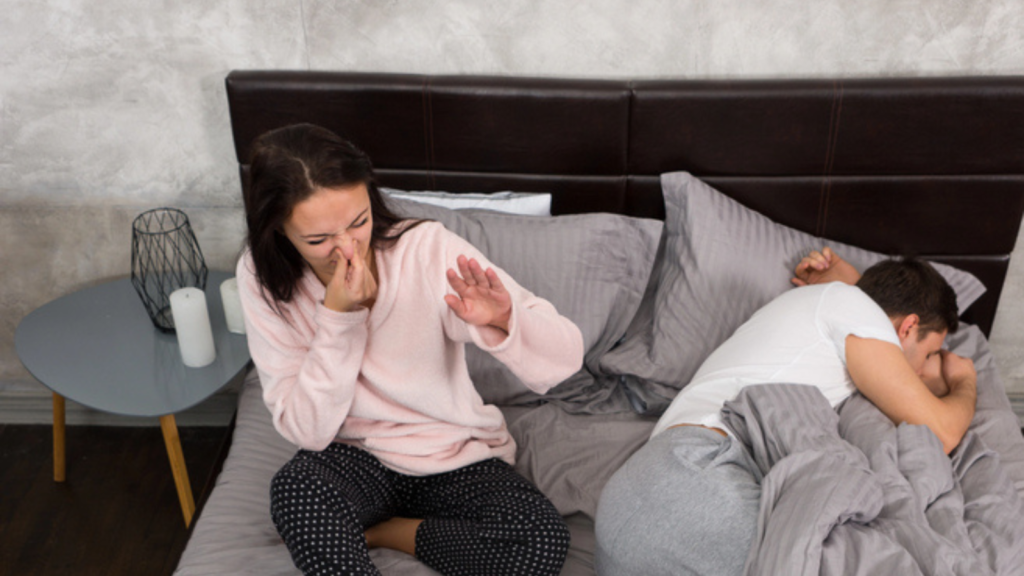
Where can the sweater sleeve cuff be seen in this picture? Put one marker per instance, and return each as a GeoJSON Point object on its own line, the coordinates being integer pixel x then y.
{"type": "Point", "coordinates": [332, 319]}
{"type": "Point", "coordinates": [494, 340]}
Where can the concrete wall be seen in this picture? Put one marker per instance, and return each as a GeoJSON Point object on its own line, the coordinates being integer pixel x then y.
{"type": "Point", "coordinates": [110, 108]}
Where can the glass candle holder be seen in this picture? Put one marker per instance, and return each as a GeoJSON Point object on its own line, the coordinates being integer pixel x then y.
{"type": "Point", "coordinates": [165, 257]}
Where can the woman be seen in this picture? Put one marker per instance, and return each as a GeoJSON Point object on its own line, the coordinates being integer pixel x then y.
{"type": "Point", "coordinates": [357, 324]}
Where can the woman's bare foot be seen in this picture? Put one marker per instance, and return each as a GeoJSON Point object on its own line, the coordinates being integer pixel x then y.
{"type": "Point", "coordinates": [396, 534]}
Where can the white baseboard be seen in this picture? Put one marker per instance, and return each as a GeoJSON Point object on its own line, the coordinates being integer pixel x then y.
{"type": "Point", "coordinates": [36, 407]}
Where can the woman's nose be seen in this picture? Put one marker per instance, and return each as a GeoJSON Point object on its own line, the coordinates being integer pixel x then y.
{"type": "Point", "coordinates": [344, 244]}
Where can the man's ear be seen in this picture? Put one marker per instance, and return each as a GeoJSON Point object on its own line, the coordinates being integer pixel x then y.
{"type": "Point", "coordinates": [906, 325]}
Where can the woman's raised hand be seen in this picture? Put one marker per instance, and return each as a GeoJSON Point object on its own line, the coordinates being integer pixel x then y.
{"type": "Point", "coordinates": [352, 283]}
{"type": "Point", "coordinates": [480, 298]}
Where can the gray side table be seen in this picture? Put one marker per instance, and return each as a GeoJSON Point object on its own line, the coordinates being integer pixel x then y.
{"type": "Point", "coordinates": [98, 347]}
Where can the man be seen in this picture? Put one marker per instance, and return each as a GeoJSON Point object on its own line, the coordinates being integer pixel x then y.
{"type": "Point", "coordinates": [687, 502]}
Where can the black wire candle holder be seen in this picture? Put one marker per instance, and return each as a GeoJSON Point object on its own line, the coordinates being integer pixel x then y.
{"type": "Point", "coordinates": [165, 257]}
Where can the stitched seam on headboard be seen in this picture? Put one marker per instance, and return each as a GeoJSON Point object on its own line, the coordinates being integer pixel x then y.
{"type": "Point", "coordinates": [428, 130]}
{"type": "Point", "coordinates": [830, 155]}
{"type": "Point", "coordinates": [631, 89]}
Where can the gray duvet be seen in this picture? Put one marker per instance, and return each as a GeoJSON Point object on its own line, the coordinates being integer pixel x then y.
{"type": "Point", "coordinates": [850, 494]}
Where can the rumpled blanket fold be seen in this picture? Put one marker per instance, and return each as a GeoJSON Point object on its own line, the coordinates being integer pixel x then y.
{"type": "Point", "coordinates": [848, 493]}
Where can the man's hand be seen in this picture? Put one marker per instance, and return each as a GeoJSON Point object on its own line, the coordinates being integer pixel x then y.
{"type": "Point", "coordinates": [958, 372]}
{"type": "Point", "coordinates": [823, 267]}
{"type": "Point", "coordinates": [481, 299]}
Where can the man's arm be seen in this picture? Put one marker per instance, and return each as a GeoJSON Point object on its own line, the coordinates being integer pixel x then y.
{"type": "Point", "coordinates": [881, 372]}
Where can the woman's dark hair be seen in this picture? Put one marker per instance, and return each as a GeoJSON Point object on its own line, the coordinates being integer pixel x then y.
{"type": "Point", "coordinates": [911, 286]}
{"type": "Point", "coordinates": [287, 166]}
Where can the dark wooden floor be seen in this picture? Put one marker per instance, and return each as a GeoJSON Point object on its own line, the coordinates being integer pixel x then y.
{"type": "Point", "coordinates": [118, 511]}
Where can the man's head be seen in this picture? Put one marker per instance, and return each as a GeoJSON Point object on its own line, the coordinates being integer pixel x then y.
{"type": "Point", "coordinates": [918, 300]}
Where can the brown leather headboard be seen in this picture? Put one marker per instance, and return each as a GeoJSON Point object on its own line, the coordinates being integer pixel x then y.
{"type": "Point", "coordinates": [929, 166]}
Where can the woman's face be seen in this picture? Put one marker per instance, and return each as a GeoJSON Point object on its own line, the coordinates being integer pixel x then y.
{"type": "Point", "coordinates": [332, 224]}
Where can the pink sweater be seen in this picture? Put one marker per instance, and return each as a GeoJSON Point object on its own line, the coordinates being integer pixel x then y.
{"type": "Point", "coordinates": [393, 380]}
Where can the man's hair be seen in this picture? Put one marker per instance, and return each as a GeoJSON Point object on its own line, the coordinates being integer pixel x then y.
{"type": "Point", "coordinates": [911, 286]}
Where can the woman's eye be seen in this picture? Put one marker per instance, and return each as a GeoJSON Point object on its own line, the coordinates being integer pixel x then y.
{"type": "Point", "coordinates": [316, 242]}
{"type": "Point", "coordinates": [361, 222]}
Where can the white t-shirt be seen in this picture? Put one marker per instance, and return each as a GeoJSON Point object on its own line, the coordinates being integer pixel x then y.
{"type": "Point", "coordinates": [798, 338]}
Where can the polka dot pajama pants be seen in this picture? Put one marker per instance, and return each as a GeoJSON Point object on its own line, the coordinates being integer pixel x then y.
{"type": "Point", "coordinates": [481, 520]}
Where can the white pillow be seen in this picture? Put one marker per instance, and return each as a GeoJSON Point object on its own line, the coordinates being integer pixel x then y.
{"type": "Point", "coordinates": [528, 203]}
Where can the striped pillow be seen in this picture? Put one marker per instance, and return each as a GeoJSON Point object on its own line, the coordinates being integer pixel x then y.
{"type": "Point", "coordinates": [593, 268]}
{"type": "Point", "coordinates": [722, 262]}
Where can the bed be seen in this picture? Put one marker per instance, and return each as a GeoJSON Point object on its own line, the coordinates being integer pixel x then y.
{"type": "Point", "coordinates": [678, 208]}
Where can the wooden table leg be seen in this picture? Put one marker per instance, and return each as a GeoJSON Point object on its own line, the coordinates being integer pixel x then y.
{"type": "Point", "coordinates": [59, 470]}
{"type": "Point", "coordinates": [177, 457]}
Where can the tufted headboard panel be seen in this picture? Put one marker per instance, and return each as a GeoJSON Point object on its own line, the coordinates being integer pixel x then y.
{"type": "Point", "coordinates": [927, 166]}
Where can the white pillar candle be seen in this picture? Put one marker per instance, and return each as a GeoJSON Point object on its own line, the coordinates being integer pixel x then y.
{"type": "Point", "coordinates": [192, 324]}
{"type": "Point", "coordinates": [232, 306]}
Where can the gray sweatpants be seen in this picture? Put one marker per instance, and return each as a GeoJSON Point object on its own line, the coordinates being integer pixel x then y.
{"type": "Point", "coordinates": [685, 503]}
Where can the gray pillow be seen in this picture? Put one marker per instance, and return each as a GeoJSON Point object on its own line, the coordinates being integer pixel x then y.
{"type": "Point", "coordinates": [722, 262]}
{"type": "Point", "coordinates": [594, 268]}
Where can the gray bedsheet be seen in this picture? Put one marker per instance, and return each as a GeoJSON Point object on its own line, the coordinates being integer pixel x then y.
{"type": "Point", "coordinates": [839, 484]}
{"type": "Point", "coordinates": [569, 457]}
